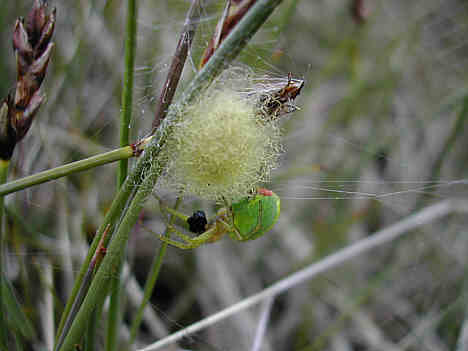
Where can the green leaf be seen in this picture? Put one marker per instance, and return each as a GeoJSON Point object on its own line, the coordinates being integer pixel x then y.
{"type": "Point", "coordinates": [16, 319]}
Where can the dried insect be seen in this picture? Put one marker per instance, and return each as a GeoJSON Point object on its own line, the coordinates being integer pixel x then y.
{"type": "Point", "coordinates": [274, 103]}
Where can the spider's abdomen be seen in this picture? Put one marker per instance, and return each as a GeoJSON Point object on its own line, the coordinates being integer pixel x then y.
{"type": "Point", "coordinates": [252, 217]}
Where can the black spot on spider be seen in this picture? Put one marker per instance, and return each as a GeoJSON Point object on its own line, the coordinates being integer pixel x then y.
{"type": "Point", "coordinates": [197, 222]}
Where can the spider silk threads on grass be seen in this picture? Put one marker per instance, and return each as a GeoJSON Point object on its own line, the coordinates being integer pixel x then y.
{"type": "Point", "coordinates": [221, 149]}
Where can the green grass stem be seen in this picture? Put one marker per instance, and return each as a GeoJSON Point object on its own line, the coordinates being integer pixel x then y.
{"type": "Point", "coordinates": [152, 278]}
{"type": "Point", "coordinates": [117, 210]}
{"type": "Point", "coordinates": [117, 207]}
{"type": "Point", "coordinates": [115, 308]}
{"type": "Point", "coordinates": [110, 265]}
{"type": "Point", "coordinates": [456, 132]}
{"type": "Point", "coordinates": [127, 90]}
{"type": "Point", "coordinates": [70, 168]}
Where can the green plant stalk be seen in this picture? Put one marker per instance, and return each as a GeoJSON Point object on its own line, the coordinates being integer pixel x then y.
{"type": "Point", "coordinates": [74, 167]}
{"type": "Point", "coordinates": [100, 285]}
{"type": "Point", "coordinates": [227, 51]}
{"type": "Point", "coordinates": [83, 290]}
{"type": "Point", "coordinates": [4, 165]}
{"type": "Point", "coordinates": [75, 307]}
{"type": "Point", "coordinates": [90, 338]}
{"type": "Point", "coordinates": [117, 207]}
{"type": "Point", "coordinates": [93, 326]}
{"type": "Point", "coordinates": [116, 211]}
{"type": "Point", "coordinates": [114, 314]}
{"type": "Point", "coordinates": [457, 131]}
{"type": "Point", "coordinates": [152, 278]}
{"type": "Point", "coordinates": [115, 308]}
{"type": "Point", "coordinates": [127, 90]}
{"type": "Point", "coordinates": [65, 170]}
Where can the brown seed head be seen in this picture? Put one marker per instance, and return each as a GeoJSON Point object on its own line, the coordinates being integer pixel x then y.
{"type": "Point", "coordinates": [33, 48]}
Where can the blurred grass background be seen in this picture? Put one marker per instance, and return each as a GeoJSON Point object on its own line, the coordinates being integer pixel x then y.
{"type": "Point", "coordinates": [381, 133]}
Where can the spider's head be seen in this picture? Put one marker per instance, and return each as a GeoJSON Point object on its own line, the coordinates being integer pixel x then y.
{"type": "Point", "coordinates": [197, 222]}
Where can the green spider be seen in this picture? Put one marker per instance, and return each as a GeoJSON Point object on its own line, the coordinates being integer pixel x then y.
{"type": "Point", "coordinates": [245, 220]}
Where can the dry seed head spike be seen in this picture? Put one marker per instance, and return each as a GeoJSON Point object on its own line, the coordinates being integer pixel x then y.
{"type": "Point", "coordinates": [33, 48]}
{"type": "Point", "coordinates": [37, 21]}
{"type": "Point", "coordinates": [47, 31]}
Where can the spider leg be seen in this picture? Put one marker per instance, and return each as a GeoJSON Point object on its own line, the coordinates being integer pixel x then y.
{"type": "Point", "coordinates": [178, 244]}
{"type": "Point", "coordinates": [226, 221]}
{"type": "Point", "coordinates": [186, 242]}
{"type": "Point", "coordinates": [222, 227]}
{"type": "Point", "coordinates": [166, 210]}
{"type": "Point", "coordinates": [173, 212]}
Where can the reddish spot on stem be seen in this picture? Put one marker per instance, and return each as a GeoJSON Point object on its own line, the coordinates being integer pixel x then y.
{"type": "Point", "coordinates": [102, 251]}
{"type": "Point", "coordinates": [136, 149]}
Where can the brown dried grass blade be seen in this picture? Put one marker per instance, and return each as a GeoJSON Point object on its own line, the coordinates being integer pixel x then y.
{"type": "Point", "coordinates": [235, 11]}
{"type": "Point", "coordinates": [177, 64]}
